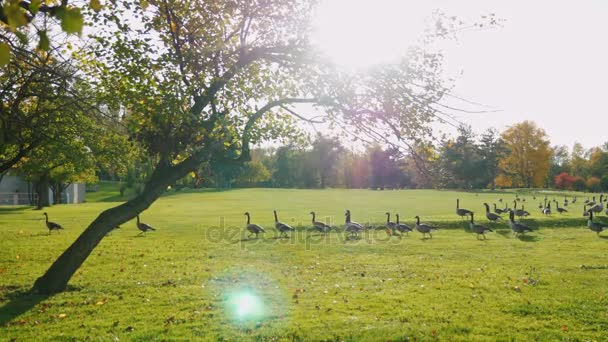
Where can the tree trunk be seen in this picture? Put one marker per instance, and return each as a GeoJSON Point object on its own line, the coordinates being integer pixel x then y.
{"type": "Point", "coordinates": [58, 275]}
{"type": "Point", "coordinates": [42, 189]}
{"type": "Point", "coordinates": [56, 188]}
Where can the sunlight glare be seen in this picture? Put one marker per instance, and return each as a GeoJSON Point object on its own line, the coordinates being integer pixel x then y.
{"type": "Point", "coordinates": [362, 33]}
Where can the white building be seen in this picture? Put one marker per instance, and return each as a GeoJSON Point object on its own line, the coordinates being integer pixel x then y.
{"type": "Point", "coordinates": [14, 190]}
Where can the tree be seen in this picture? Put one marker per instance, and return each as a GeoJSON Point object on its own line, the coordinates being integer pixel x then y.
{"type": "Point", "coordinates": [461, 161]}
{"type": "Point", "coordinates": [564, 181]}
{"type": "Point", "coordinates": [529, 158]}
{"type": "Point", "coordinates": [200, 83]}
{"type": "Point", "coordinates": [41, 101]}
{"type": "Point", "coordinates": [491, 150]}
{"type": "Point", "coordinates": [578, 162]}
{"type": "Point", "coordinates": [254, 173]}
{"type": "Point", "coordinates": [325, 156]}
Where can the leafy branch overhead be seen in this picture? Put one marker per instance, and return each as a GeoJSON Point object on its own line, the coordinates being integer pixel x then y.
{"type": "Point", "coordinates": [19, 17]}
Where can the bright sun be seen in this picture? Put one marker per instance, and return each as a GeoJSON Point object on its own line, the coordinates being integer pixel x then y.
{"type": "Point", "coordinates": [361, 33]}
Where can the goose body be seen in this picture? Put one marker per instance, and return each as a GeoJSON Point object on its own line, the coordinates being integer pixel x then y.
{"type": "Point", "coordinates": [547, 210]}
{"type": "Point", "coordinates": [559, 210]}
{"type": "Point", "coordinates": [252, 227]}
{"type": "Point", "coordinates": [517, 227]}
{"type": "Point", "coordinates": [478, 228]}
{"type": "Point", "coordinates": [498, 210]}
{"type": "Point", "coordinates": [320, 226]}
{"type": "Point", "coordinates": [283, 228]}
{"type": "Point", "coordinates": [143, 227]}
{"type": "Point", "coordinates": [599, 207]}
{"type": "Point", "coordinates": [353, 228]}
{"type": "Point", "coordinates": [520, 212]}
{"type": "Point", "coordinates": [595, 226]}
{"type": "Point", "coordinates": [424, 228]}
{"type": "Point", "coordinates": [461, 211]}
{"type": "Point", "coordinates": [489, 215]}
{"type": "Point", "coordinates": [402, 227]}
{"type": "Point", "coordinates": [51, 225]}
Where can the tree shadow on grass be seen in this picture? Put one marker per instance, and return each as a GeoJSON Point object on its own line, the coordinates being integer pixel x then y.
{"type": "Point", "coordinates": [528, 238]}
{"type": "Point", "coordinates": [19, 302]}
{"type": "Point", "coordinates": [15, 209]}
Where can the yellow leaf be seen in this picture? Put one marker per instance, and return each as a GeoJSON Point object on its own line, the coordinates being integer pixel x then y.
{"type": "Point", "coordinates": [62, 315]}
{"type": "Point", "coordinates": [5, 54]}
{"type": "Point", "coordinates": [95, 5]}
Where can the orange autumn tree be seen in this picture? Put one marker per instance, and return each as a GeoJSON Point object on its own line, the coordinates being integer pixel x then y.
{"type": "Point", "coordinates": [529, 156]}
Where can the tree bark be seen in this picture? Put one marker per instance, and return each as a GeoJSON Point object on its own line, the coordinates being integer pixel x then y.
{"type": "Point", "coordinates": [61, 271]}
{"type": "Point", "coordinates": [42, 189]}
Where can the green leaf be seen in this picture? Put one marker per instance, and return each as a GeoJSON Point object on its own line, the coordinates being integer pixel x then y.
{"type": "Point", "coordinates": [35, 6]}
{"type": "Point", "coordinates": [5, 54]}
{"type": "Point", "coordinates": [95, 5]}
{"type": "Point", "coordinates": [14, 14]}
{"type": "Point", "coordinates": [72, 21]}
{"type": "Point", "coordinates": [22, 37]}
{"type": "Point", "coordinates": [43, 44]}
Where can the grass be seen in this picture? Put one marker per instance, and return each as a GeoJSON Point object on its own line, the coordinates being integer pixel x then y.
{"type": "Point", "coordinates": [179, 283]}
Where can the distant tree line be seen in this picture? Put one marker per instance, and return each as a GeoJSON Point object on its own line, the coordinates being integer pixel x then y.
{"type": "Point", "coordinates": [521, 156]}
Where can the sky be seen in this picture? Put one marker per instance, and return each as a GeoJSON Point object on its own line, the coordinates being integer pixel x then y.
{"type": "Point", "coordinates": [547, 62]}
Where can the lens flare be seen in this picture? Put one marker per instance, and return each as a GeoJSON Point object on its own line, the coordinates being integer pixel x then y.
{"type": "Point", "coordinates": [245, 305]}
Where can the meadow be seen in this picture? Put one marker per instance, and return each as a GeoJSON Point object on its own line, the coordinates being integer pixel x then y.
{"type": "Point", "coordinates": [198, 277]}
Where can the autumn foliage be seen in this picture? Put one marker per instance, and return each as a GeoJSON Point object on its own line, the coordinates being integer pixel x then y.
{"type": "Point", "coordinates": [564, 180]}
{"type": "Point", "coordinates": [529, 158]}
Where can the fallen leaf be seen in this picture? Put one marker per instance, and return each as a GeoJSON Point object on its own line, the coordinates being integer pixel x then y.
{"type": "Point", "coordinates": [62, 315]}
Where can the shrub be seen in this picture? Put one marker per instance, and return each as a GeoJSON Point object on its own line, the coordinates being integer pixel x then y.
{"type": "Point", "coordinates": [593, 184]}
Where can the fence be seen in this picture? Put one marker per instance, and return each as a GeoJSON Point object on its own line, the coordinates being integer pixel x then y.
{"type": "Point", "coordinates": [17, 198]}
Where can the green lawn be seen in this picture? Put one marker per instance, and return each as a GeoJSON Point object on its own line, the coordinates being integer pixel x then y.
{"type": "Point", "coordinates": [198, 277]}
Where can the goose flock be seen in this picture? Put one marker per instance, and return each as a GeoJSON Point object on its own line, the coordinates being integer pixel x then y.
{"type": "Point", "coordinates": [591, 207]}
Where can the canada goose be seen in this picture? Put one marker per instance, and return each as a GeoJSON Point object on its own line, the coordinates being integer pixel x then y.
{"type": "Point", "coordinates": [253, 228]}
{"type": "Point", "coordinates": [390, 225]}
{"type": "Point", "coordinates": [498, 210]}
{"type": "Point", "coordinates": [599, 207]}
{"type": "Point", "coordinates": [461, 212]}
{"type": "Point", "coordinates": [51, 225]}
{"type": "Point", "coordinates": [490, 216]}
{"type": "Point", "coordinates": [565, 201]}
{"type": "Point", "coordinates": [547, 210]}
{"type": "Point", "coordinates": [143, 227]}
{"type": "Point", "coordinates": [402, 227]}
{"type": "Point", "coordinates": [559, 210]}
{"type": "Point", "coordinates": [590, 203]}
{"type": "Point", "coordinates": [540, 206]}
{"type": "Point", "coordinates": [595, 226]}
{"type": "Point", "coordinates": [519, 212]}
{"type": "Point", "coordinates": [585, 211]}
{"type": "Point", "coordinates": [424, 228]}
{"type": "Point", "coordinates": [478, 228]}
{"type": "Point", "coordinates": [574, 200]}
{"type": "Point", "coordinates": [353, 228]}
{"type": "Point", "coordinates": [320, 226]}
{"type": "Point", "coordinates": [517, 227]}
{"type": "Point", "coordinates": [280, 226]}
